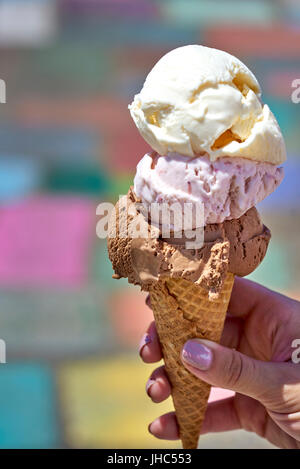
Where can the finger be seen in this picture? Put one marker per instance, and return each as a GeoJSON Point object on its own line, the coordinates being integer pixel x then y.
{"type": "Point", "coordinates": [165, 427]}
{"type": "Point", "coordinates": [149, 348]}
{"type": "Point", "coordinates": [158, 386]}
{"type": "Point", "coordinates": [246, 296]}
{"type": "Point", "coordinates": [220, 416]}
{"type": "Point", "coordinates": [254, 417]}
{"type": "Point", "coordinates": [288, 423]}
{"type": "Point", "coordinates": [232, 332]}
{"type": "Point", "coordinates": [273, 384]}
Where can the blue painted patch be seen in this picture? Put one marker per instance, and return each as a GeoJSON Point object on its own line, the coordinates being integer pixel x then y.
{"type": "Point", "coordinates": [292, 14]}
{"type": "Point", "coordinates": [286, 197]}
{"type": "Point", "coordinates": [27, 407]}
{"type": "Point", "coordinates": [19, 177]}
{"type": "Point", "coordinates": [130, 33]}
{"type": "Point", "coordinates": [55, 144]}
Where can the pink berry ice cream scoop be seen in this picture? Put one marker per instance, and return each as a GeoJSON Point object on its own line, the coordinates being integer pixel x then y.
{"type": "Point", "coordinates": [227, 187]}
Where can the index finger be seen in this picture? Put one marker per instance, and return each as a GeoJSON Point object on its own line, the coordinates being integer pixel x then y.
{"type": "Point", "coordinates": [246, 296]}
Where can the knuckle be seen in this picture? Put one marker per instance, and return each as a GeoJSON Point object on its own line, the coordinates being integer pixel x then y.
{"type": "Point", "coordinates": [157, 373]}
{"type": "Point", "coordinates": [234, 369]}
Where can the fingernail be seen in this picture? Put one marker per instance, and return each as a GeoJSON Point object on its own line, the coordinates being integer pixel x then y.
{"type": "Point", "coordinates": [149, 384]}
{"type": "Point", "coordinates": [198, 355]}
{"type": "Point", "coordinates": [149, 428]}
{"type": "Point", "coordinates": [146, 339]}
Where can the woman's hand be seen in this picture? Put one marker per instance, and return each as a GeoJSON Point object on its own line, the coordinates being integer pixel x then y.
{"type": "Point", "coordinates": [254, 360]}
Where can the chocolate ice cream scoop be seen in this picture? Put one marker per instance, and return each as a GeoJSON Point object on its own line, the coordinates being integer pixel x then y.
{"type": "Point", "coordinates": [237, 246]}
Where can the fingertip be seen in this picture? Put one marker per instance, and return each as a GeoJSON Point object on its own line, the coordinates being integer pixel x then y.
{"type": "Point", "coordinates": [149, 349]}
{"type": "Point", "coordinates": [145, 340]}
{"type": "Point", "coordinates": [150, 354]}
{"type": "Point", "coordinates": [149, 385]}
{"type": "Point", "coordinates": [158, 387]}
{"type": "Point", "coordinates": [149, 428]}
{"type": "Point", "coordinates": [165, 427]}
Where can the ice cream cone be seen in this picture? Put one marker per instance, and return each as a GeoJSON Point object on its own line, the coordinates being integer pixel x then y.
{"type": "Point", "coordinates": [189, 291]}
{"type": "Point", "coordinates": [183, 311]}
{"type": "Point", "coordinates": [216, 146]}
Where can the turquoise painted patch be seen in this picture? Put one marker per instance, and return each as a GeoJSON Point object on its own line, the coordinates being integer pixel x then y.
{"type": "Point", "coordinates": [286, 112]}
{"type": "Point", "coordinates": [27, 407]}
{"type": "Point", "coordinates": [102, 270]}
{"type": "Point", "coordinates": [195, 12]}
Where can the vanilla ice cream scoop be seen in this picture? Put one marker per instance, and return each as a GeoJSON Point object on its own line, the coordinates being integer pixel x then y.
{"type": "Point", "coordinates": [197, 100]}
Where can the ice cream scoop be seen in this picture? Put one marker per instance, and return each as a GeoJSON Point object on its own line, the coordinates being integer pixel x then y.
{"type": "Point", "coordinates": [197, 99]}
{"type": "Point", "coordinates": [237, 246]}
{"type": "Point", "coordinates": [227, 187]}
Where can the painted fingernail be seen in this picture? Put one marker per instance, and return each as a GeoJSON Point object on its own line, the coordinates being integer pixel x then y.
{"type": "Point", "coordinates": [146, 339]}
{"type": "Point", "coordinates": [198, 355]}
{"type": "Point", "coordinates": [149, 384]}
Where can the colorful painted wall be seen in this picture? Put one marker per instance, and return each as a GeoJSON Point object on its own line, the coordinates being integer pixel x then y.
{"type": "Point", "coordinates": [73, 377]}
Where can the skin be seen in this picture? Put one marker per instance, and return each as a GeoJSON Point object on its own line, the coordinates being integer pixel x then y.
{"type": "Point", "coordinates": [254, 360]}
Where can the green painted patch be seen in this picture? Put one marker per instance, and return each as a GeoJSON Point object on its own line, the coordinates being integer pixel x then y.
{"type": "Point", "coordinates": [274, 272]}
{"type": "Point", "coordinates": [120, 185]}
{"type": "Point", "coordinates": [84, 179]}
{"type": "Point", "coordinates": [56, 323]}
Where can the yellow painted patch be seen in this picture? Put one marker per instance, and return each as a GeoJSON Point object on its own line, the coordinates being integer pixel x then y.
{"type": "Point", "coordinates": [105, 404]}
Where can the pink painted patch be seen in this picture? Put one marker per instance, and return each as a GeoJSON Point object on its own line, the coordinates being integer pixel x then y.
{"type": "Point", "coordinates": [124, 145]}
{"type": "Point", "coordinates": [125, 151]}
{"type": "Point", "coordinates": [45, 241]}
{"type": "Point", "coordinates": [218, 394]}
{"type": "Point", "coordinates": [130, 316]}
{"type": "Point", "coordinates": [280, 83]}
{"type": "Point", "coordinates": [276, 41]}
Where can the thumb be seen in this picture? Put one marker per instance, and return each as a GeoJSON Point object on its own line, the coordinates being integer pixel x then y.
{"type": "Point", "coordinates": [226, 368]}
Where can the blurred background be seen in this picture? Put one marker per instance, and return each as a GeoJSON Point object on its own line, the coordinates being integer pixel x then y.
{"type": "Point", "coordinates": [73, 378]}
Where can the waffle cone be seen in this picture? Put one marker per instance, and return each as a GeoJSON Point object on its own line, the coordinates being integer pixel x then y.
{"type": "Point", "coordinates": [182, 311]}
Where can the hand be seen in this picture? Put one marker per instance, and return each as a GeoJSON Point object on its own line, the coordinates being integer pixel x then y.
{"type": "Point", "coordinates": [254, 360]}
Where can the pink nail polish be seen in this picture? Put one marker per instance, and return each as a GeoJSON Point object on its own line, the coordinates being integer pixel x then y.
{"type": "Point", "coordinates": [198, 355]}
{"type": "Point", "coordinates": [149, 384]}
{"type": "Point", "coordinates": [146, 339]}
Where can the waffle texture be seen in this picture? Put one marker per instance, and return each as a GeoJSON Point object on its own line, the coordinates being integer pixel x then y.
{"type": "Point", "coordinates": [183, 311]}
